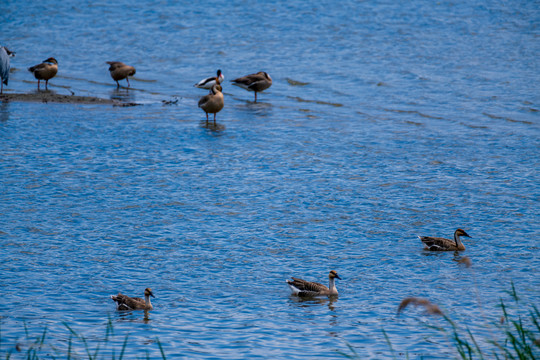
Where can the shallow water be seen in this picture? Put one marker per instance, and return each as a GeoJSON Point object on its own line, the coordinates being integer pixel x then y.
{"type": "Point", "coordinates": [383, 122]}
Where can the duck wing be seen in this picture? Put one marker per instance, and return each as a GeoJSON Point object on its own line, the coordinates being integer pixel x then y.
{"type": "Point", "coordinates": [245, 80]}
{"type": "Point", "coordinates": [438, 243]}
{"type": "Point", "coordinates": [125, 302]}
{"type": "Point", "coordinates": [38, 67]}
{"type": "Point", "coordinates": [115, 65]}
{"type": "Point", "coordinates": [253, 82]}
{"type": "Point", "coordinates": [307, 288]}
{"type": "Point", "coordinates": [206, 83]}
{"type": "Point", "coordinates": [205, 99]}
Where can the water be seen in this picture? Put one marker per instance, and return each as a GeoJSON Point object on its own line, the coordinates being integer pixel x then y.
{"type": "Point", "coordinates": [384, 122]}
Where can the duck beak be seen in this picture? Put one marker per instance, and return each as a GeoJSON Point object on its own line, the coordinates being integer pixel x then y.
{"type": "Point", "coordinates": [152, 295]}
{"type": "Point", "coordinates": [337, 276]}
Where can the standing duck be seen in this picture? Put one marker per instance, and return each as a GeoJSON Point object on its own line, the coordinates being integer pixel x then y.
{"type": "Point", "coordinates": [442, 244]}
{"type": "Point", "coordinates": [120, 71]}
{"type": "Point", "coordinates": [124, 302]}
{"type": "Point", "coordinates": [254, 82]}
{"type": "Point", "coordinates": [211, 81]}
{"type": "Point", "coordinates": [45, 71]}
{"type": "Point", "coordinates": [213, 102]}
{"type": "Point", "coordinates": [5, 54]}
{"type": "Point", "coordinates": [305, 288]}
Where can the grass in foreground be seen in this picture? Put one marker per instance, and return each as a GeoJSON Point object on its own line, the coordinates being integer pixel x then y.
{"type": "Point", "coordinates": [511, 337]}
{"type": "Point", "coordinates": [35, 347]}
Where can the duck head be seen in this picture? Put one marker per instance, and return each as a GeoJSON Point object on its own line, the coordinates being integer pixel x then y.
{"type": "Point", "coordinates": [334, 275]}
{"type": "Point", "coordinates": [148, 292]}
{"type": "Point", "coordinates": [461, 232]}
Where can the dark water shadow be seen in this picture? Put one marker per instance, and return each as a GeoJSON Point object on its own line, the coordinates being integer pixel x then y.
{"type": "Point", "coordinates": [250, 104]}
{"type": "Point", "coordinates": [257, 109]}
{"type": "Point", "coordinates": [4, 111]}
{"type": "Point", "coordinates": [426, 252]}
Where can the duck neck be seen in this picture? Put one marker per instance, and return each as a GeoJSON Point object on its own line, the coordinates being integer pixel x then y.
{"type": "Point", "coordinates": [457, 240]}
{"type": "Point", "coordinates": [147, 300]}
{"type": "Point", "coordinates": [332, 285]}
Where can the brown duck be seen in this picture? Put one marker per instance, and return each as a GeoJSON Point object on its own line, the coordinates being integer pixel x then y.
{"type": "Point", "coordinates": [45, 71]}
{"type": "Point", "coordinates": [213, 102]}
{"type": "Point", "coordinates": [254, 82]}
{"type": "Point", "coordinates": [124, 302]}
{"type": "Point", "coordinates": [442, 244]}
{"type": "Point", "coordinates": [120, 71]}
{"type": "Point", "coordinates": [305, 288]}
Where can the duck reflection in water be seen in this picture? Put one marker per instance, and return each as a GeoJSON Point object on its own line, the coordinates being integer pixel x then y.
{"type": "Point", "coordinates": [212, 126]}
{"type": "Point", "coordinates": [312, 301]}
{"type": "Point", "coordinates": [122, 95]}
{"type": "Point", "coordinates": [134, 316]}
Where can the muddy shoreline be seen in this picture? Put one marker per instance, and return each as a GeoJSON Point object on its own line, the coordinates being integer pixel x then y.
{"type": "Point", "coordinates": [46, 97]}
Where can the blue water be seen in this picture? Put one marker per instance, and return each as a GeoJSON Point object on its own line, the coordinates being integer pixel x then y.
{"type": "Point", "coordinates": [384, 121]}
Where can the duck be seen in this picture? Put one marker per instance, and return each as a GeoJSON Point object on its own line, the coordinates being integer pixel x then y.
{"type": "Point", "coordinates": [210, 81]}
{"type": "Point", "coordinates": [213, 102]}
{"type": "Point", "coordinates": [442, 244]}
{"type": "Point", "coordinates": [124, 302]}
{"type": "Point", "coordinates": [45, 71]}
{"type": "Point", "coordinates": [254, 82]}
{"type": "Point", "coordinates": [305, 288]}
{"type": "Point", "coordinates": [120, 71]}
{"type": "Point", "coordinates": [5, 54]}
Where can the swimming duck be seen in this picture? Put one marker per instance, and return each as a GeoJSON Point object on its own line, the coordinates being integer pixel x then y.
{"type": "Point", "coordinates": [124, 302]}
{"type": "Point", "coordinates": [211, 81]}
{"type": "Point", "coordinates": [442, 244]}
{"type": "Point", "coordinates": [213, 102]}
{"type": "Point", "coordinates": [5, 54]}
{"type": "Point", "coordinates": [120, 71]}
{"type": "Point", "coordinates": [305, 288]}
{"type": "Point", "coordinates": [45, 71]}
{"type": "Point", "coordinates": [254, 82]}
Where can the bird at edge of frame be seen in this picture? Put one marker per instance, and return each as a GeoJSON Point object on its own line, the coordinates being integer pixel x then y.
{"type": "Point", "coordinates": [5, 66]}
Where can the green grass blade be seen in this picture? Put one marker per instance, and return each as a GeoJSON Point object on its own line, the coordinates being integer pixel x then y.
{"type": "Point", "coordinates": [70, 329]}
{"type": "Point", "coordinates": [389, 343]}
{"type": "Point", "coordinates": [25, 329]}
{"type": "Point", "coordinates": [478, 350]}
{"type": "Point", "coordinates": [123, 348]}
{"type": "Point", "coordinates": [86, 346]}
{"type": "Point", "coordinates": [96, 352]}
{"type": "Point", "coordinates": [354, 353]}
{"type": "Point", "coordinates": [42, 340]}
{"type": "Point", "coordinates": [69, 347]}
{"type": "Point", "coordinates": [109, 331]}
{"type": "Point", "coordinates": [161, 349]}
